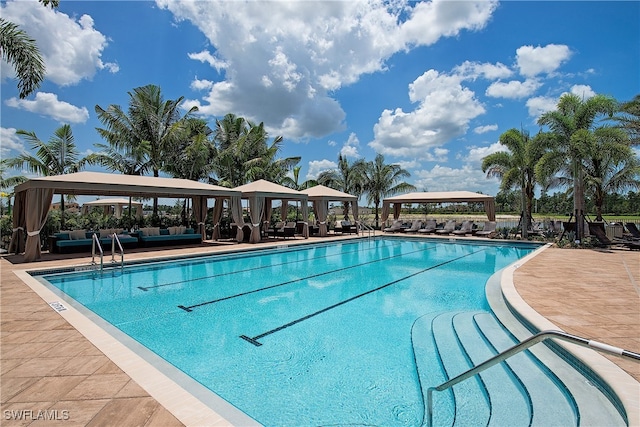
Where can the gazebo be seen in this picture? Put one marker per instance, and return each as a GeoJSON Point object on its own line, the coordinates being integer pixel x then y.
{"type": "Point", "coordinates": [33, 199]}
{"type": "Point", "coordinates": [116, 204]}
{"type": "Point", "coordinates": [438, 197]}
{"type": "Point", "coordinates": [260, 194]}
{"type": "Point", "coordinates": [320, 196]}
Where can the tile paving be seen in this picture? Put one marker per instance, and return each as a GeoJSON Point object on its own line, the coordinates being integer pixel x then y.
{"type": "Point", "coordinates": [47, 365]}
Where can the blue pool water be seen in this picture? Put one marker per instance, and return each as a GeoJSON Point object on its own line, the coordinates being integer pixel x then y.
{"type": "Point", "coordinates": [313, 335]}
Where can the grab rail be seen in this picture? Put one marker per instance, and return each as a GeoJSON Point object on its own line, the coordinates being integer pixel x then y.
{"type": "Point", "coordinates": [369, 229]}
{"type": "Point", "coordinates": [96, 242]}
{"type": "Point", "coordinates": [114, 240]}
{"type": "Point", "coordinates": [540, 336]}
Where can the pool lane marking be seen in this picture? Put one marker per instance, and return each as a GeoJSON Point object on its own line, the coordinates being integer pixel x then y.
{"type": "Point", "coordinates": [147, 288]}
{"type": "Point", "coordinates": [191, 307]}
{"type": "Point", "coordinates": [254, 340]}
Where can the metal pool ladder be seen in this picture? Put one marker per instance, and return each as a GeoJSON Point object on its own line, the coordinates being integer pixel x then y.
{"type": "Point", "coordinates": [366, 227]}
{"type": "Point", "coordinates": [540, 336]}
{"type": "Point", "coordinates": [95, 243]}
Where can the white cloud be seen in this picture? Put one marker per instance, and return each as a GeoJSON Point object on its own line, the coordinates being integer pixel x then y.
{"type": "Point", "coordinates": [47, 104]}
{"type": "Point", "coordinates": [350, 148]}
{"type": "Point", "coordinates": [322, 47]}
{"type": "Point", "coordinates": [442, 178]}
{"type": "Point", "coordinates": [197, 84]}
{"type": "Point", "coordinates": [532, 61]}
{"type": "Point", "coordinates": [476, 154]}
{"type": "Point", "coordinates": [206, 57]}
{"type": "Point", "coordinates": [410, 164]}
{"type": "Point", "coordinates": [484, 129]}
{"type": "Point", "coordinates": [513, 89]}
{"type": "Point", "coordinates": [583, 91]}
{"type": "Point", "coordinates": [540, 105]}
{"type": "Point", "coordinates": [443, 113]}
{"type": "Point", "coordinates": [474, 70]}
{"type": "Point", "coordinates": [10, 142]}
{"type": "Point", "coordinates": [71, 47]}
{"type": "Point", "coordinates": [316, 167]}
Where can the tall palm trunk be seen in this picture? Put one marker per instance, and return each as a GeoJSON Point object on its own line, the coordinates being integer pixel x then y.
{"type": "Point", "coordinates": [578, 201]}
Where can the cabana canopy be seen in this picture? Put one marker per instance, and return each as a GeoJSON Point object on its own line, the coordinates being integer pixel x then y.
{"type": "Point", "coordinates": [33, 198]}
{"type": "Point", "coordinates": [260, 195]}
{"type": "Point", "coordinates": [438, 197]}
{"type": "Point", "coordinates": [320, 196]}
{"type": "Point", "coordinates": [117, 204]}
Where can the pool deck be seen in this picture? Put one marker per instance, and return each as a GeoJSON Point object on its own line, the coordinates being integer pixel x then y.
{"type": "Point", "coordinates": [48, 369]}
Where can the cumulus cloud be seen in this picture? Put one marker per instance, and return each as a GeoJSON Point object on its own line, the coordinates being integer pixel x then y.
{"type": "Point", "coordinates": [316, 167]}
{"type": "Point", "coordinates": [484, 129]}
{"type": "Point", "coordinates": [444, 110]}
{"type": "Point", "coordinates": [583, 91]}
{"type": "Point", "coordinates": [350, 148]}
{"type": "Point", "coordinates": [323, 47]}
{"type": "Point", "coordinates": [540, 105]}
{"type": "Point", "coordinates": [440, 178]}
{"type": "Point", "coordinates": [476, 154]}
{"type": "Point", "coordinates": [201, 84]}
{"type": "Point", "coordinates": [48, 104]}
{"type": "Point", "coordinates": [10, 142]}
{"type": "Point", "coordinates": [474, 70]}
{"type": "Point", "coordinates": [71, 47]}
{"type": "Point", "coordinates": [532, 61]}
{"type": "Point", "coordinates": [513, 89]}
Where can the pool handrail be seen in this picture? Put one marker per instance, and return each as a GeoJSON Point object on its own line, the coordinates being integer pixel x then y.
{"type": "Point", "coordinates": [114, 240]}
{"type": "Point", "coordinates": [96, 242]}
{"type": "Point", "coordinates": [366, 227]}
{"type": "Point", "coordinates": [500, 357]}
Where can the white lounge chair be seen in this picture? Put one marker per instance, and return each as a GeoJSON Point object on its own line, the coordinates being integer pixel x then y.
{"type": "Point", "coordinates": [466, 228]}
{"type": "Point", "coordinates": [488, 230]}
{"type": "Point", "coordinates": [448, 228]}
{"type": "Point", "coordinates": [396, 226]}
{"type": "Point", "coordinates": [415, 226]}
{"type": "Point", "coordinates": [429, 227]}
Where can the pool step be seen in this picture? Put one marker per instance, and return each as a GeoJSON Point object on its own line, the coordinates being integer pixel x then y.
{"type": "Point", "coordinates": [517, 392]}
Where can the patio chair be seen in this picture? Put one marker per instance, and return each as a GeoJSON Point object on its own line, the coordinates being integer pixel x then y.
{"type": "Point", "coordinates": [488, 230]}
{"type": "Point", "coordinates": [289, 230]}
{"type": "Point", "coordinates": [466, 228]}
{"type": "Point", "coordinates": [633, 230]}
{"type": "Point", "coordinates": [415, 226]}
{"type": "Point", "coordinates": [448, 228]}
{"type": "Point", "coordinates": [396, 226]}
{"type": "Point", "coordinates": [277, 227]}
{"type": "Point", "coordinates": [597, 230]}
{"type": "Point", "coordinates": [429, 227]}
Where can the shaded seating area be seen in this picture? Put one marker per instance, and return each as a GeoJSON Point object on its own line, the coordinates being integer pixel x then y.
{"type": "Point", "coordinates": [346, 227]}
{"type": "Point", "coordinates": [597, 230]}
{"type": "Point", "coordinates": [33, 199]}
{"type": "Point", "coordinates": [320, 196]}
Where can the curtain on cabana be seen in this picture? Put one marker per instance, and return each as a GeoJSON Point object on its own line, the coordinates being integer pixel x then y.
{"type": "Point", "coordinates": [236, 214]}
{"type": "Point", "coordinates": [256, 210]}
{"type": "Point", "coordinates": [490, 208]}
{"type": "Point", "coordinates": [16, 245]}
{"type": "Point", "coordinates": [39, 202]}
{"type": "Point", "coordinates": [321, 209]}
{"type": "Point", "coordinates": [200, 212]}
{"type": "Point", "coordinates": [217, 215]}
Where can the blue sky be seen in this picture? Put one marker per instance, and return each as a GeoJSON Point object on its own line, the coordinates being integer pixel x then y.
{"type": "Point", "coordinates": [430, 85]}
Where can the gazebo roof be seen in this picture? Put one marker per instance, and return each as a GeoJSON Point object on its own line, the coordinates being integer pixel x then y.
{"type": "Point", "coordinates": [263, 188]}
{"type": "Point", "coordinates": [320, 192]}
{"type": "Point", "coordinates": [439, 197]}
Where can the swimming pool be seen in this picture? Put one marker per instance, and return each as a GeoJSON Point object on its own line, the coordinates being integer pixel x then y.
{"type": "Point", "coordinates": [319, 333]}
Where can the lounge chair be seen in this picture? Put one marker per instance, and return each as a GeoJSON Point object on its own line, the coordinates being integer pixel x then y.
{"type": "Point", "coordinates": [429, 227]}
{"type": "Point", "coordinates": [448, 228]}
{"type": "Point", "coordinates": [597, 231]}
{"type": "Point", "coordinates": [289, 230]}
{"type": "Point", "coordinates": [396, 226]}
{"type": "Point", "coordinates": [415, 226]}
{"type": "Point", "coordinates": [466, 228]}
{"type": "Point", "coordinates": [633, 230]}
{"type": "Point", "coordinates": [347, 227]}
{"type": "Point", "coordinates": [276, 228]}
{"type": "Point", "coordinates": [488, 230]}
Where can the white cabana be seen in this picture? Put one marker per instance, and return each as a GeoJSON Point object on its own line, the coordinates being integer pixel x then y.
{"type": "Point", "coordinates": [438, 197]}
{"type": "Point", "coordinates": [114, 206]}
{"type": "Point", "coordinates": [33, 199]}
{"type": "Point", "coordinates": [260, 194]}
{"type": "Point", "coordinates": [320, 196]}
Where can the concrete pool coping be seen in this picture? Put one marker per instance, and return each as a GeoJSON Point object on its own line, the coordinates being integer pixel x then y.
{"type": "Point", "coordinates": [187, 414]}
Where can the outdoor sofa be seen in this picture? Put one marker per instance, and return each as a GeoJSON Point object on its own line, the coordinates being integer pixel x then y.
{"type": "Point", "coordinates": [66, 242]}
{"type": "Point", "coordinates": [156, 236]}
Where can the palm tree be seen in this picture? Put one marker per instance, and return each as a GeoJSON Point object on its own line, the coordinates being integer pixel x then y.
{"type": "Point", "coordinates": [58, 156]}
{"type": "Point", "coordinates": [382, 180]}
{"type": "Point", "coordinates": [630, 119]}
{"type": "Point", "coordinates": [9, 182]}
{"type": "Point", "coordinates": [348, 178]}
{"type": "Point", "coordinates": [21, 52]}
{"type": "Point", "coordinates": [245, 155]}
{"type": "Point", "coordinates": [569, 125]}
{"type": "Point", "coordinates": [149, 128]}
{"type": "Point", "coordinates": [292, 182]}
{"type": "Point", "coordinates": [516, 168]}
{"type": "Point", "coordinates": [610, 165]}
